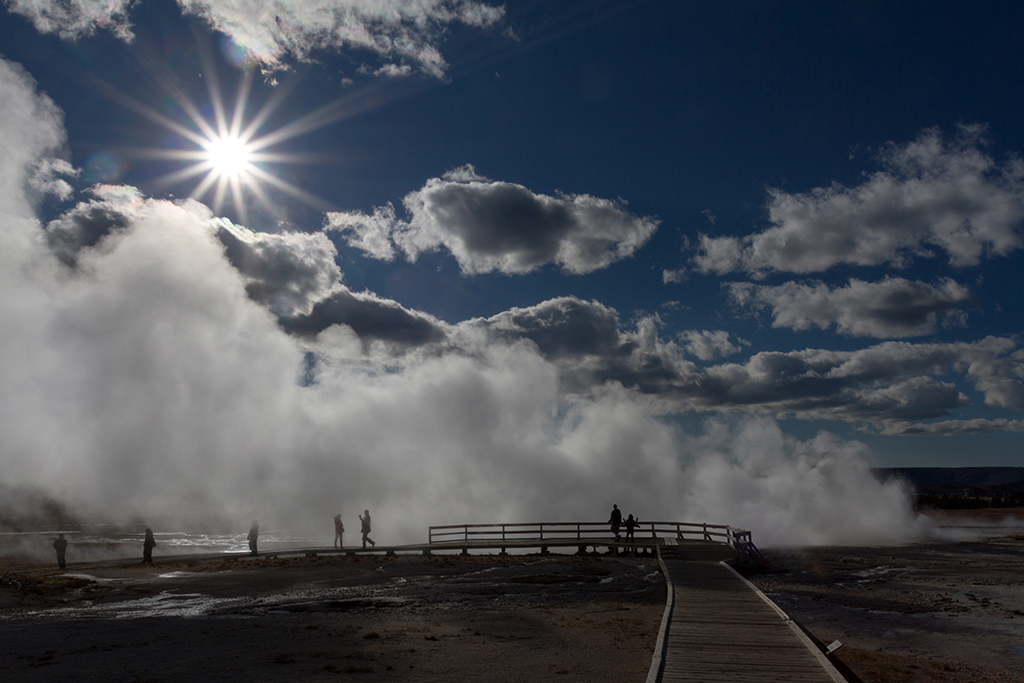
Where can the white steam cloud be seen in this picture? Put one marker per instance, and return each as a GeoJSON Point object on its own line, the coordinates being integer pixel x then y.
{"type": "Point", "coordinates": [145, 380]}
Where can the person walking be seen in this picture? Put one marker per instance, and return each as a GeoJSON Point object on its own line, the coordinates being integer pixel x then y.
{"type": "Point", "coordinates": [61, 546]}
{"type": "Point", "coordinates": [147, 547]}
{"type": "Point", "coordinates": [254, 534]}
{"type": "Point", "coordinates": [339, 529]}
{"type": "Point", "coordinates": [365, 527]}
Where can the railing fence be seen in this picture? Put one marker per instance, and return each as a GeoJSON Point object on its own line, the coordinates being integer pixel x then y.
{"type": "Point", "coordinates": [584, 533]}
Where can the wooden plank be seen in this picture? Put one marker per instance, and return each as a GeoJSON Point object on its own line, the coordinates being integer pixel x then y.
{"type": "Point", "coordinates": [719, 629]}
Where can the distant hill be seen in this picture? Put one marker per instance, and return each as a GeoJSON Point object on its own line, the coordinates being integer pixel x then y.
{"type": "Point", "coordinates": [958, 487]}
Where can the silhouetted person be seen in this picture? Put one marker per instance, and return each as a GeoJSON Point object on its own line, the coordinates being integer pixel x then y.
{"type": "Point", "coordinates": [631, 525]}
{"type": "Point", "coordinates": [339, 529]}
{"type": "Point", "coordinates": [61, 546]}
{"type": "Point", "coordinates": [254, 533]}
{"type": "Point", "coordinates": [615, 520]}
{"type": "Point", "coordinates": [147, 547]}
{"type": "Point", "coordinates": [365, 523]}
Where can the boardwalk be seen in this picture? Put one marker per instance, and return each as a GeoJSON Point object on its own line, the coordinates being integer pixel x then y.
{"type": "Point", "coordinates": [718, 628]}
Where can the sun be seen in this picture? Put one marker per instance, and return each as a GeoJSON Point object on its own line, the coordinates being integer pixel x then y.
{"type": "Point", "coordinates": [232, 160]}
{"type": "Point", "coordinates": [229, 157]}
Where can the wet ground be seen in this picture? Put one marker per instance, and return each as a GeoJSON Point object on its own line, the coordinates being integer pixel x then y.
{"type": "Point", "coordinates": [432, 618]}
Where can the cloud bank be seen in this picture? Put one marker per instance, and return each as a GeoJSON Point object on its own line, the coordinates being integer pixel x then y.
{"type": "Point", "coordinates": [932, 196]}
{"type": "Point", "coordinates": [150, 375]}
{"type": "Point", "coordinates": [891, 308]}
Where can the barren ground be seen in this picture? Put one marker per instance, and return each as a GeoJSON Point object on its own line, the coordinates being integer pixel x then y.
{"type": "Point", "coordinates": [951, 612]}
{"type": "Point", "coordinates": [439, 618]}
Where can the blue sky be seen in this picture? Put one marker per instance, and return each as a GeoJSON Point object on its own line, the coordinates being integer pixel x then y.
{"type": "Point", "coordinates": [782, 217]}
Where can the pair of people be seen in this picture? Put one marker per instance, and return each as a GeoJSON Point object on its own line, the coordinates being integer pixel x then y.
{"type": "Point", "coordinates": [364, 522]}
{"type": "Point", "coordinates": [616, 523]}
{"type": "Point", "coordinates": [61, 546]}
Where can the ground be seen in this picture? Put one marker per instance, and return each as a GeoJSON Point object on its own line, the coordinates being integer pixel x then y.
{"type": "Point", "coordinates": [950, 611]}
{"type": "Point", "coordinates": [440, 618]}
{"type": "Point", "coordinates": [919, 613]}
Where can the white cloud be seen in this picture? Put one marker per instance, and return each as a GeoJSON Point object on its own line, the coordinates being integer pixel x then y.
{"type": "Point", "coordinates": [405, 33]}
{"type": "Point", "coordinates": [88, 223]}
{"type": "Point", "coordinates": [370, 234]}
{"type": "Point", "coordinates": [72, 19]}
{"type": "Point", "coordinates": [673, 276]}
{"type": "Point", "coordinates": [931, 196]}
{"type": "Point", "coordinates": [893, 307]}
{"type": "Point", "coordinates": [496, 226]}
{"type": "Point", "coordinates": [32, 134]}
{"type": "Point", "coordinates": [708, 345]}
{"type": "Point", "coordinates": [288, 272]}
{"type": "Point", "coordinates": [47, 178]}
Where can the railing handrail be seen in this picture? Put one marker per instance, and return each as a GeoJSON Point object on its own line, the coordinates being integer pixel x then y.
{"type": "Point", "coordinates": [518, 532]}
{"type": "Point", "coordinates": [594, 524]}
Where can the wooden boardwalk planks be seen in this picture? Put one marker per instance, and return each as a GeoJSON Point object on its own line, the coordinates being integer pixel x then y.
{"type": "Point", "coordinates": [719, 628]}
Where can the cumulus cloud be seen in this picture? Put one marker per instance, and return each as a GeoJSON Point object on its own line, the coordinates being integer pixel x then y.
{"type": "Point", "coordinates": [562, 327]}
{"type": "Point", "coordinates": [931, 196]}
{"type": "Point", "coordinates": [891, 308]}
{"type": "Point", "coordinates": [497, 226]}
{"type": "Point", "coordinates": [48, 181]}
{"type": "Point", "coordinates": [891, 381]}
{"type": "Point", "coordinates": [708, 345]}
{"type": "Point", "coordinates": [368, 233]}
{"type": "Point", "coordinates": [371, 317]}
{"type": "Point", "coordinates": [87, 223]}
{"type": "Point", "coordinates": [287, 272]}
{"type": "Point", "coordinates": [402, 33]}
{"type": "Point", "coordinates": [72, 19]}
{"type": "Point", "coordinates": [32, 130]}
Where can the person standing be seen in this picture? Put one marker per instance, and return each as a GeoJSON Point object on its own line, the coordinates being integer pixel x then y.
{"type": "Point", "coordinates": [254, 533]}
{"type": "Point", "coordinates": [615, 520]}
{"type": "Point", "coordinates": [147, 547]}
{"type": "Point", "coordinates": [365, 524]}
{"type": "Point", "coordinates": [61, 546]}
{"type": "Point", "coordinates": [339, 529]}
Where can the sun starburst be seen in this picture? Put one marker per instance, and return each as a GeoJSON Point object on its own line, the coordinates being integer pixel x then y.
{"type": "Point", "coordinates": [227, 157]}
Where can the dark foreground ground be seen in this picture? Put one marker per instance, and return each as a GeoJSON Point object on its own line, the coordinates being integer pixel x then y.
{"type": "Point", "coordinates": [921, 613]}
{"type": "Point", "coordinates": [409, 618]}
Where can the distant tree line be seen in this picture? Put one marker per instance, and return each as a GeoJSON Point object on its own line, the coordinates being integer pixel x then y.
{"type": "Point", "coordinates": [953, 501]}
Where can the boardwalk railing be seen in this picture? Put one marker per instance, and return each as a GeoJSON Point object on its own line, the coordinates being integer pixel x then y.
{"type": "Point", "coordinates": [580, 533]}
